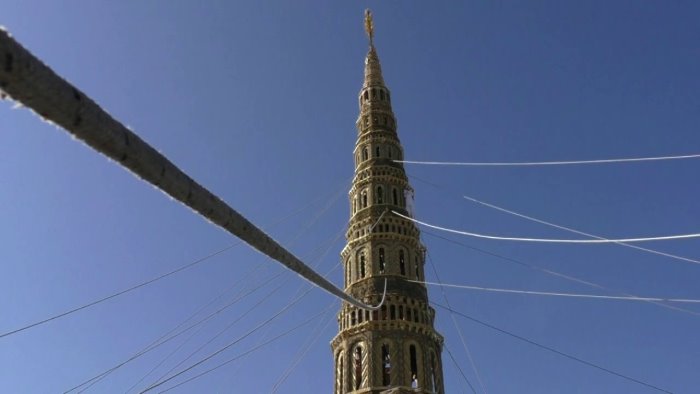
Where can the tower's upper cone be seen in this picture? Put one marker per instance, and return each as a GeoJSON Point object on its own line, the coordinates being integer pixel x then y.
{"type": "Point", "coordinates": [373, 70]}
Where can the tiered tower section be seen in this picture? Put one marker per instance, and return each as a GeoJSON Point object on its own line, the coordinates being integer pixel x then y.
{"type": "Point", "coordinates": [395, 349]}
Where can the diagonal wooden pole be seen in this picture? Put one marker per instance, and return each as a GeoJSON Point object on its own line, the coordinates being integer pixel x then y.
{"type": "Point", "coordinates": [24, 78]}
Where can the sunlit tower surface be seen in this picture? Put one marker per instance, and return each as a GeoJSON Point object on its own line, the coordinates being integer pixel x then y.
{"type": "Point", "coordinates": [395, 349]}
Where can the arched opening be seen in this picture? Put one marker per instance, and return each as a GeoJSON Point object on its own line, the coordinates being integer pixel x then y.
{"type": "Point", "coordinates": [340, 374]}
{"type": "Point", "coordinates": [362, 264]}
{"type": "Point", "coordinates": [380, 195]}
{"type": "Point", "coordinates": [366, 95]}
{"type": "Point", "coordinates": [381, 260]}
{"type": "Point", "coordinates": [381, 95]}
{"type": "Point", "coordinates": [377, 152]}
{"type": "Point", "coordinates": [395, 197]}
{"type": "Point", "coordinates": [357, 367]}
{"type": "Point", "coordinates": [364, 199]}
{"type": "Point", "coordinates": [417, 268]}
{"type": "Point", "coordinates": [365, 154]}
{"type": "Point", "coordinates": [386, 365]}
{"type": "Point", "coordinates": [392, 312]}
{"type": "Point", "coordinates": [402, 263]}
{"type": "Point", "coordinates": [414, 366]}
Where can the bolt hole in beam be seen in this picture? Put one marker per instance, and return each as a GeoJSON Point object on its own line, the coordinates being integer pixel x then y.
{"type": "Point", "coordinates": [38, 87]}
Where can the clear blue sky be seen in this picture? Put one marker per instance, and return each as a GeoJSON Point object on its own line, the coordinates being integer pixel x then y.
{"type": "Point", "coordinates": [258, 101]}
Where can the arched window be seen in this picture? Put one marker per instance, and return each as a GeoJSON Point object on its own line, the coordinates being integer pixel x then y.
{"type": "Point", "coordinates": [365, 154]}
{"type": "Point", "coordinates": [395, 197]}
{"type": "Point", "coordinates": [383, 312]}
{"type": "Point", "coordinates": [392, 312]}
{"type": "Point", "coordinates": [374, 93]}
{"type": "Point", "coordinates": [340, 374]}
{"type": "Point", "coordinates": [366, 95]}
{"type": "Point", "coordinates": [386, 365]}
{"type": "Point", "coordinates": [417, 268]}
{"type": "Point", "coordinates": [364, 199]}
{"type": "Point", "coordinates": [433, 373]}
{"type": "Point", "coordinates": [357, 367]}
{"type": "Point", "coordinates": [414, 366]}
{"type": "Point", "coordinates": [380, 195]}
{"type": "Point", "coordinates": [402, 263]}
{"type": "Point", "coordinates": [381, 260]}
{"type": "Point", "coordinates": [401, 312]}
{"type": "Point", "coordinates": [362, 264]}
{"type": "Point", "coordinates": [377, 152]}
{"type": "Point", "coordinates": [381, 95]}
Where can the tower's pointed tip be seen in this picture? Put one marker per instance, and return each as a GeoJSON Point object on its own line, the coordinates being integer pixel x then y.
{"type": "Point", "coordinates": [369, 26]}
{"type": "Point", "coordinates": [373, 71]}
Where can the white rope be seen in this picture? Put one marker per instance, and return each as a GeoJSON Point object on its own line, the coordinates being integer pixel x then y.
{"type": "Point", "coordinates": [547, 163]}
{"type": "Point", "coordinates": [371, 229]}
{"type": "Point", "coordinates": [569, 229]}
{"type": "Point", "coordinates": [574, 295]}
{"type": "Point", "coordinates": [547, 240]}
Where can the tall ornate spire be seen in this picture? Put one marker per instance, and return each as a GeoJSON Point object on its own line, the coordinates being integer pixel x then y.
{"type": "Point", "coordinates": [396, 349]}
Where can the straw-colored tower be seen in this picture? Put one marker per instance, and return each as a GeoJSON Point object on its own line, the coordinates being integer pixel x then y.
{"type": "Point", "coordinates": [395, 349]}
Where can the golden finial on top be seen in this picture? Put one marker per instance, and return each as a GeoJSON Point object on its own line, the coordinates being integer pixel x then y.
{"type": "Point", "coordinates": [369, 26]}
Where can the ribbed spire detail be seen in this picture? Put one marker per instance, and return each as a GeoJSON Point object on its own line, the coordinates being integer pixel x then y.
{"type": "Point", "coordinates": [373, 69]}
